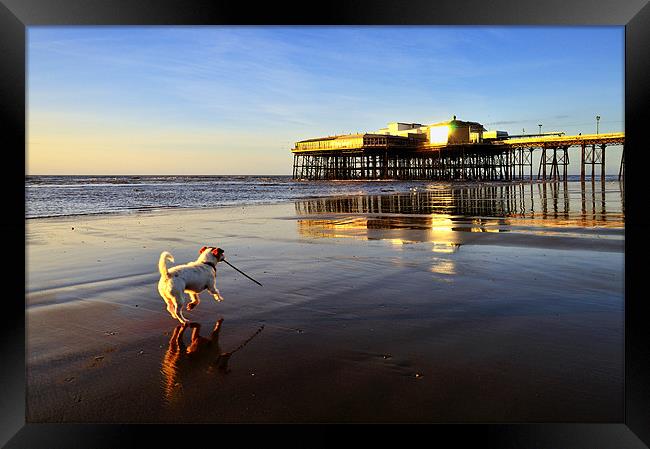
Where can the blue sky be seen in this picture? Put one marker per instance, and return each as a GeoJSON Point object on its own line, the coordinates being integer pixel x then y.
{"type": "Point", "coordinates": [233, 100]}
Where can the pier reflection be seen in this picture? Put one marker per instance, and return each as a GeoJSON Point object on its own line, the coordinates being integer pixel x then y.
{"type": "Point", "coordinates": [181, 363]}
{"type": "Point", "coordinates": [443, 213]}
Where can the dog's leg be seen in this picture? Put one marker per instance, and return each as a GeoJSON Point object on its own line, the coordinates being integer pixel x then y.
{"type": "Point", "coordinates": [215, 292]}
{"type": "Point", "coordinates": [172, 312]}
{"type": "Point", "coordinates": [215, 332]}
{"type": "Point", "coordinates": [178, 307]}
{"type": "Point", "coordinates": [170, 305]}
{"type": "Point", "coordinates": [176, 342]}
{"type": "Point", "coordinates": [195, 300]}
{"type": "Point", "coordinates": [196, 331]}
{"type": "Point", "coordinates": [164, 296]}
{"type": "Point", "coordinates": [168, 297]}
{"type": "Point", "coordinates": [171, 309]}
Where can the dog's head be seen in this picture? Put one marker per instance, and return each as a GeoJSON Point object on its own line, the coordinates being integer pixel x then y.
{"type": "Point", "coordinates": [211, 253]}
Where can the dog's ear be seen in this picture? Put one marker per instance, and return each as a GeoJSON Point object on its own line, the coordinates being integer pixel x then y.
{"type": "Point", "coordinates": [201, 250]}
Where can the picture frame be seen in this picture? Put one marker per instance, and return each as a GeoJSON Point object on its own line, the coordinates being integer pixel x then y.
{"type": "Point", "coordinates": [632, 431]}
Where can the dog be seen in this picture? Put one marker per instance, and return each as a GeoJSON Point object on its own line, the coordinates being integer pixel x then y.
{"type": "Point", "coordinates": [191, 278]}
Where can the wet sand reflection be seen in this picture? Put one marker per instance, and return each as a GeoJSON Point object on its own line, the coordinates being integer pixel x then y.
{"type": "Point", "coordinates": [181, 362]}
{"type": "Point", "coordinates": [444, 214]}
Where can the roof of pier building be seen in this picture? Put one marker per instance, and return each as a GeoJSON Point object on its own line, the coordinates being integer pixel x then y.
{"type": "Point", "coordinates": [344, 137]}
{"type": "Point", "coordinates": [455, 123]}
{"type": "Point", "coordinates": [316, 139]}
{"type": "Point", "coordinates": [405, 129]}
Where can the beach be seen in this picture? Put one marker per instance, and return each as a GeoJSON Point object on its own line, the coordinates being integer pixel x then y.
{"type": "Point", "coordinates": [471, 304]}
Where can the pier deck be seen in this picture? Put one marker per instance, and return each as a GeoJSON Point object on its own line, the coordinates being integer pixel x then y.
{"type": "Point", "coordinates": [374, 156]}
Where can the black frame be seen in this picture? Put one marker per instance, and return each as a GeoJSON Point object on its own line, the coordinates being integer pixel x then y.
{"type": "Point", "coordinates": [15, 15]}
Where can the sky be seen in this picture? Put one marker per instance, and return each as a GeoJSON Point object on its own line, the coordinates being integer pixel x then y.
{"type": "Point", "coordinates": [234, 100]}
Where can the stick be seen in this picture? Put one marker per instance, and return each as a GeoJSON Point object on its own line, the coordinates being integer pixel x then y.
{"type": "Point", "coordinates": [242, 273]}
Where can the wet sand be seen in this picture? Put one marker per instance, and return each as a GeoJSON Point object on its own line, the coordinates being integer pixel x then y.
{"type": "Point", "coordinates": [457, 305]}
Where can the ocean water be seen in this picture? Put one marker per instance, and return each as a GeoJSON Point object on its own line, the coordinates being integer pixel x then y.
{"type": "Point", "coordinates": [51, 196]}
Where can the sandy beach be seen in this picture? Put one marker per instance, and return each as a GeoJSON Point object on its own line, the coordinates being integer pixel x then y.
{"type": "Point", "coordinates": [373, 309]}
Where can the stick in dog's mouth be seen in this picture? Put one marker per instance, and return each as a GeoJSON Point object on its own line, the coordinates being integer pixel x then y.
{"type": "Point", "coordinates": [224, 260]}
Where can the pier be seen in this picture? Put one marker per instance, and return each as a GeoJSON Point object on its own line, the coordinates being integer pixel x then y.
{"type": "Point", "coordinates": [452, 150]}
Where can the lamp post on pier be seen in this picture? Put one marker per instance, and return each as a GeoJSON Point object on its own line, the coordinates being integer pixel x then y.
{"type": "Point", "coordinates": [540, 129]}
{"type": "Point", "coordinates": [597, 123]}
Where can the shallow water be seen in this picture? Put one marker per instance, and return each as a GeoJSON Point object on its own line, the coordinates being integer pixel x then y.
{"type": "Point", "coordinates": [48, 196]}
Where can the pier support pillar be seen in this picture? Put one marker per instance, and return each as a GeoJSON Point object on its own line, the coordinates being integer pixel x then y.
{"type": "Point", "coordinates": [582, 162]}
{"type": "Point", "coordinates": [621, 169]}
{"type": "Point", "coordinates": [593, 162]}
{"type": "Point", "coordinates": [602, 162]}
{"type": "Point", "coordinates": [554, 166]}
{"type": "Point", "coordinates": [542, 165]}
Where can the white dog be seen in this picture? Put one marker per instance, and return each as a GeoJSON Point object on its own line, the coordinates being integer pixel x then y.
{"type": "Point", "coordinates": [192, 278]}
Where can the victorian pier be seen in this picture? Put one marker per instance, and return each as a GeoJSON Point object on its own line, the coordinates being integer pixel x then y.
{"type": "Point", "coordinates": [451, 150]}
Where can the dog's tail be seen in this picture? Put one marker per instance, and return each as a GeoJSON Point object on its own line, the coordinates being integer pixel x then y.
{"type": "Point", "coordinates": [162, 263]}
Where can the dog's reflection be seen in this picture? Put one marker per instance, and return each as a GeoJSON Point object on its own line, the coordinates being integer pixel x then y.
{"type": "Point", "coordinates": [202, 355]}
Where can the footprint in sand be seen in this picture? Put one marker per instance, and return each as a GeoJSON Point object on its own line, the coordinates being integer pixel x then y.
{"type": "Point", "coordinates": [97, 361]}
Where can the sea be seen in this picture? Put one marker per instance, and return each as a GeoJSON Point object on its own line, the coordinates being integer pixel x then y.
{"type": "Point", "coordinates": [54, 196]}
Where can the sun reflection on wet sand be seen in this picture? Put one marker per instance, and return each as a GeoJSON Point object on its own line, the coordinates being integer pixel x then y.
{"type": "Point", "coordinates": [446, 215]}
{"type": "Point", "coordinates": [443, 267]}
